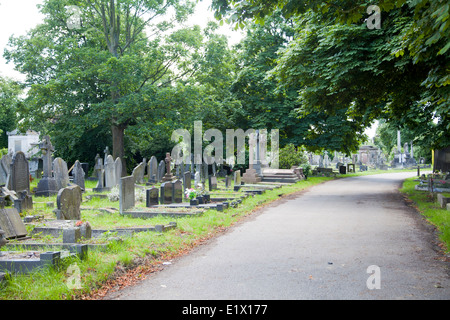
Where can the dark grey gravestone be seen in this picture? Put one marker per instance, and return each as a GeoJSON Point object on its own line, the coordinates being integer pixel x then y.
{"type": "Point", "coordinates": [126, 193]}
{"type": "Point", "coordinates": [187, 180]}
{"type": "Point", "coordinates": [69, 202]}
{"type": "Point", "coordinates": [161, 170]}
{"type": "Point", "coordinates": [20, 174]}
{"type": "Point", "coordinates": [177, 191]}
{"type": "Point", "coordinates": [166, 192]}
{"type": "Point", "coordinates": [139, 172]}
{"type": "Point", "coordinates": [212, 183]}
{"type": "Point", "coordinates": [12, 224]}
{"type": "Point", "coordinates": [227, 181]}
{"type": "Point", "coordinates": [152, 197]}
{"type": "Point", "coordinates": [152, 170]}
{"type": "Point", "coordinates": [71, 235]}
{"type": "Point", "coordinates": [78, 175]}
{"type": "Point", "coordinates": [60, 173]}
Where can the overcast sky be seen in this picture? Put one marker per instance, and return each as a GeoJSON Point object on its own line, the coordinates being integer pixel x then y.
{"type": "Point", "coordinates": [19, 16]}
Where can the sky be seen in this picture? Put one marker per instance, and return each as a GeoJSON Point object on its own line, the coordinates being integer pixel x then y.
{"type": "Point", "coordinates": [19, 16]}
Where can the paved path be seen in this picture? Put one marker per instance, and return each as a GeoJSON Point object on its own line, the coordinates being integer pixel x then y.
{"type": "Point", "coordinates": [318, 245]}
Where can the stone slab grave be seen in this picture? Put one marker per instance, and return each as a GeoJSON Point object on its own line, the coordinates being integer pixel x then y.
{"type": "Point", "coordinates": [443, 201]}
{"type": "Point", "coordinates": [127, 201]}
{"type": "Point", "coordinates": [12, 224]}
{"type": "Point", "coordinates": [26, 262]}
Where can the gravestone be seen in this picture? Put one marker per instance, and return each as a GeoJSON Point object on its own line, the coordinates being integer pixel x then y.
{"type": "Point", "coordinates": [161, 170]}
{"type": "Point", "coordinates": [152, 170]}
{"type": "Point", "coordinates": [237, 178]}
{"type": "Point", "coordinates": [168, 176]}
{"type": "Point", "coordinates": [78, 175]}
{"type": "Point", "coordinates": [60, 173]}
{"type": "Point", "coordinates": [212, 183]}
{"type": "Point", "coordinates": [24, 201]}
{"type": "Point", "coordinates": [187, 180]}
{"type": "Point", "coordinates": [99, 171]}
{"type": "Point", "coordinates": [118, 169]}
{"type": "Point", "coordinates": [47, 185]}
{"type": "Point", "coordinates": [139, 172]}
{"type": "Point", "coordinates": [177, 191]}
{"type": "Point", "coordinates": [227, 181]}
{"type": "Point", "coordinates": [110, 172]}
{"type": "Point", "coordinates": [166, 192]}
{"type": "Point", "coordinates": [126, 193]}
{"type": "Point", "coordinates": [12, 224]}
{"type": "Point", "coordinates": [5, 166]}
{"type": "Point", "coordinates": [204, 173]}
{"type": "Point", "coordinates": [152, 197]}
{"type": "Point", "coordinates": [19, 173]}
{"type": "Point", "coordinates": [69, 202]}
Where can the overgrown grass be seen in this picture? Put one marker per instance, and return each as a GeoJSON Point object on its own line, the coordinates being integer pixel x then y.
{"type": "Point", "coordinates": [430, 209]}
{"type": "Point", "coordinates": [51, 284]}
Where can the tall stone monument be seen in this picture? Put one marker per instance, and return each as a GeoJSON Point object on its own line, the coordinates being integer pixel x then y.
{"type": "Point", "coordinates": [47, 185]}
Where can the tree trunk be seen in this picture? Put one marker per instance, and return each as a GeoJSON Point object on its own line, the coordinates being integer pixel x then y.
{"type": "Point", "coordinates": [118, 133]}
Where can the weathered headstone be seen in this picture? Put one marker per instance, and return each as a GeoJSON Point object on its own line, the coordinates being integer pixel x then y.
{"type": "Point", "coordinates": [161, 170]}
{"type": "Point", "coordinates": [69, 202]}
{"type": "Point", "coordinates": [152, 197]}
{"type": "Point", "coordinates": [177, 191]}
{"type": "Point", "coordinates": [197, 179]}
{"type": "Point", "coordinates": [212, 183]}
{"type": "Point", "coordinates": [204, 173]}
{"type": "Point", "coordinates": [110, 172]}
{"type": "Point", "coordinates": [5, 166]}
{"type": "Point", "coordinates": [166, 192]}
{"type": "Point", "coordinates": [78, 175]}
{"type": "Point", "coordinates": [126, 193]}
{"type": "Point", "coordinates": [60, 173]}
{"type": "Point", "coordinates": [99, 172]}
{"type": "Point", "coordinates": [138, 172]}
{"type": "Point", "coordinates": [20, 174]}
{"type": "Point", "coordinates": [187, 180]}
{"type": "Point", "coordinates": [237, 179]}
{"type": "Point", "coordinates": [12, 224]}
{"type": "Point", "coordinates": [47, 185]}
{"type": "Point", "coordinates": [23, 202]}
{"type": "Point", "coordinates": [152, 170]}
{"type": "Point", "coordinates": [227, 181]}
{"type": "Point", "coordinates": [118, 169]}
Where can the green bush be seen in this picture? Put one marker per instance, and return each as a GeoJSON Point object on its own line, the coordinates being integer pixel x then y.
{"type": "Point", "coordinates": [291, 156]}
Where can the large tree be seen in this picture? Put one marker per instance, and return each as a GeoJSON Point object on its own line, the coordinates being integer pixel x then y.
{"type": "Point", "coordinates": [10, 100]}
{"type": "Point", "coordinates": [398, 72]}
{"type": "Point", "coordinates": [96, 65]}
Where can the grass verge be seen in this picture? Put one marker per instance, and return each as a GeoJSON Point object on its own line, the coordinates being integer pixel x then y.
{"type": "Point", "coordinates": [428, 207]}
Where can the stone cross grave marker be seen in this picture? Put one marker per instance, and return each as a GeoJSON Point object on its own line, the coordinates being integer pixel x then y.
{"type": "Point", "coordinates": [69, 202]}
{"type": "Point", "coordinates": [47, 185]}
{"type": "Point", "coordinates": [168, 160]}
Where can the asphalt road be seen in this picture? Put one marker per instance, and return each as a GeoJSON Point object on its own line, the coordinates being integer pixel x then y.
{"type": "Point", "coordinates": [350, 238]}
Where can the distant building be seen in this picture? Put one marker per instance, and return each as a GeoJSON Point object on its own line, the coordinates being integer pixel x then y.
{"type": "Point", "coordinates": [23, 142]}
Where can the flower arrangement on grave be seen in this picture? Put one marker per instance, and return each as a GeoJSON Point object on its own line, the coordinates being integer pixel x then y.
{"type": "Point", "coordinates": [190, 193]}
